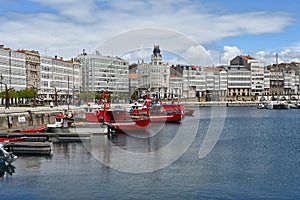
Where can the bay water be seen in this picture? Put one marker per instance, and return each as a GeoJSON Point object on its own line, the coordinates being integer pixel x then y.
{"type": "Point", "coordinates": [252, 154]}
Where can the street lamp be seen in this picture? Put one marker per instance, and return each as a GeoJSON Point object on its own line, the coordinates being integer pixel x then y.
{"type": "Point", "coordinates": [55, 93]}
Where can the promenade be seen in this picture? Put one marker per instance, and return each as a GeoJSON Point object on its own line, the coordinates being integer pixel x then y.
{"type": "Point", "coordinates": [61, 108]}
{"type": "Point", "coordinates": [13, 109]}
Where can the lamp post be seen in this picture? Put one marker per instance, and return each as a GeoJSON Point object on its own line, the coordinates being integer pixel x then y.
{"type": "Point", "coordinates": [55, 95]}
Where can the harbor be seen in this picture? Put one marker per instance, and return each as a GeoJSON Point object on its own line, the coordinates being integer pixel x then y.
{"type": "Point", "coordinates": [260, 161]}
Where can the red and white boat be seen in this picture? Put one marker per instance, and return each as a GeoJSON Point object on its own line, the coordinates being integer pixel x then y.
{"type": "Point", "coordinates": [62, 121]}
{"type": "Point", "coordinates": [158, 112]}
{"type": "Point", "coordinates": [91, 113]}
{"type": "Point", "coordinates": [119, 119]}
{"type": "Point", "coordinates": [166, 113]}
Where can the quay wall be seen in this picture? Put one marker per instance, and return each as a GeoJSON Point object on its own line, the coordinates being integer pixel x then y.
{"type": "Point", "coordinates": [30, 118]}
{"type": "Point", "coordinates": [221, 104]}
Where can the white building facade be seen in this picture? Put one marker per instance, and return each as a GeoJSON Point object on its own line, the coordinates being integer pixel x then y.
{"type": "Point", "coordinates": [12, 69]}
{"type": "Point", "coordinates": [60, 76]}
{"type": "Point", "coordinates": [104, 73]}
{"type": "Point", "coordinates": [154, 76]}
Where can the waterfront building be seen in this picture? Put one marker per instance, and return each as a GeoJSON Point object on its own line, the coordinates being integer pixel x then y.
{"type": "Point", "coordinates": [223, 84]}
{"type": "Point", "coordinates": [104, 73]}
{"type": "Point", "coordinates": [133, 84]}
{"type": "Point", "coordinates": [276, 81]}
{"type": "Point", "coordinates": [193, 80]}
{"type": "Point", "coordinates": [33, 70]}
{"type": "Point", "coordinates": [154, 76]}
{"type": "Point", "coordinates": [257, 72]}
{"type": "Point", "coordinates": [12, 69]}
{"type": "Point", "coordinates": [176, 86]}
{"type": "Point", "coordinates": [216, 84]}
{"type": "Point", "coordinates": [267, 83]}
{"type": "Point", "coordinates": [59, 77]}
{"type": "Point", "coordinates": [289, 85]}
{"type": "Point", "coordinates": [239, 82]}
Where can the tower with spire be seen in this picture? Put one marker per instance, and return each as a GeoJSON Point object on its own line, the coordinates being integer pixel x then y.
{"type": "Point", "coordinates": [156, 58]}
{"type": "Point", "coordinates": [154, 76]}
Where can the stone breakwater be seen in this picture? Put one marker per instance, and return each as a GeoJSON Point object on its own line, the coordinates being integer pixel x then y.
{"type": "Point", "coordinates": [14, 118]}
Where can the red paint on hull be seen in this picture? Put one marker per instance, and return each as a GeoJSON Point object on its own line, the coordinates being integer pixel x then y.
{"type": "Point", "coordinates": [4, 139]}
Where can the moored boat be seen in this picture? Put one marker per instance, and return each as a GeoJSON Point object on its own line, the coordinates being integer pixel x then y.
{"type": "Point", "coordinates": [277, 105]}
{"type": "Point", "coordinates": [119, 119]}
{"type": "Point", "coordinates": [12, 139]}
{"type": "Point", "coordinates": [61, 122]}
{"type": "Point", "coordinates": [166, 113]}
{"type": "Point", "coordinates": [91, 113]}
{"type": "Point", "coordinates": [40, 129]}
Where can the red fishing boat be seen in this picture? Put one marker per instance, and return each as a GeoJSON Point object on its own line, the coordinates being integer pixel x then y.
{"type": "Point", "coordinates": [158, 112]}
{"type": "Point", "coordinates": [91, 113]}
{"type": "Point", "coordinates": [166, 113]}
{"type": "Point", "coordinates": [119, 119]}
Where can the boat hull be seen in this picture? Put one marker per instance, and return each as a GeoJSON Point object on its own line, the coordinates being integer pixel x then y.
{"type": "Point", "coordinates": [166, 118]}
{"type": "Point", "coordinates": [189, 112]}
{"type": "Point", "coordinates": [130, 125]}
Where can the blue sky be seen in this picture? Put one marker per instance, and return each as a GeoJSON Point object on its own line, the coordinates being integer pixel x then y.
{"type": "Point", "coordinates": [225, 28]}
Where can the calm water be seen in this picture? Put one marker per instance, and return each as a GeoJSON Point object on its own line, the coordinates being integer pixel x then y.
{"type": "Point", "coordinates": [257, 156]}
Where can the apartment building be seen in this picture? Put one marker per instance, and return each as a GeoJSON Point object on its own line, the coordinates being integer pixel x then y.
{"type": "Point", "coordinates": [104, 73]}
{"type": "Point", "coordinates": [12, 69]}
{"type": "Point", "coordinates": [33, 70]}
{"type": "Point", "coordinates": [238, 82]}
{"type": "Point", "coordinates": [176, 86]}
{"type": "Point", "coordinates": [256, 70]}
{"type": "Point", "coordinates": [59, 77]}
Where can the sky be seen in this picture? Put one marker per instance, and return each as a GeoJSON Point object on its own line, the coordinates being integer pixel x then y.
{"type": "Point", "coordinates": [197, 32]}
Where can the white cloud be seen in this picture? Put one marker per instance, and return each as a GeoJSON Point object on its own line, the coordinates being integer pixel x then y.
{"type": "Point", "coordinates": [197, 55]}
{"type": "Point", "coordinates": [230, 53]}
{"type": "Point", "coordinates": [73, 25]}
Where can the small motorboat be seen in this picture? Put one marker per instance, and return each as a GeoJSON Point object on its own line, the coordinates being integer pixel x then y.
{"type": "Point", "coordinates": [260, 106]}
{"type": "Point", "coordinates": [61, 122]}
